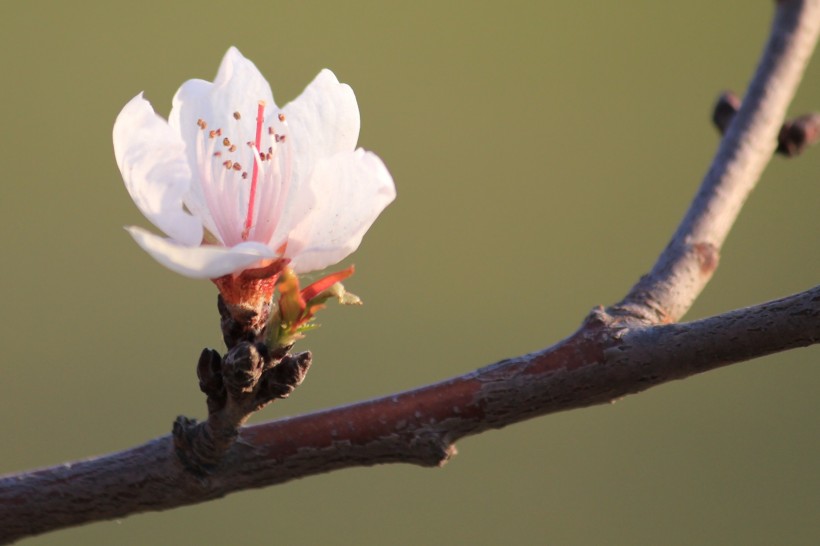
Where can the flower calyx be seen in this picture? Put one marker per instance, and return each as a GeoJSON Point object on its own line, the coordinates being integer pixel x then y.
{"type": "Point", "coordinates": [245, 301]}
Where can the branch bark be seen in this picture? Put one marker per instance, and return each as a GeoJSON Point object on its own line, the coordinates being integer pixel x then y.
{"type": "Point", "coordinates": [625, 349]}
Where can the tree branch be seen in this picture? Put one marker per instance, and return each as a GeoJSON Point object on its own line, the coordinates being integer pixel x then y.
{"type": "Point", "coordinates": [625, 349]}
{"type": "Point", "coordinates": [691, 257]}
{"type": "Point", "coordinates": [604, 360]}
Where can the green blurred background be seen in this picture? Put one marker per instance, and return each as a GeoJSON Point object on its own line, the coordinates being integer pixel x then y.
{"type": "Point", "coordinates": [543, 155]}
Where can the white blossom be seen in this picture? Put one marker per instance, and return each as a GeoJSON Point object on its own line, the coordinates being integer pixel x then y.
{"type": "Point", "coordinates": [236, 182]}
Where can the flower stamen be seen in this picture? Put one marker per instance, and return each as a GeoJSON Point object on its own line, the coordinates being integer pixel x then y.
{"type": "Point", "coordinates": [260, 120]}
{"type": "Point", "coordinates": [287, 168]}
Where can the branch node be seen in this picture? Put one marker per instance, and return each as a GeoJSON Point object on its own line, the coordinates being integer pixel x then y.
{"type": "Point", "coordinates": [708, 256]}
{"type": "Point", "coordinates": [795, 135]}
{"type": "Point", "coordinates": [448, 453]}
{"type": "Point", "coordinates": [187, 437]}
{"type": "Point", "coordinates": [247, 379]}
{"type": "Point", "coordinates": [798, 134]}
{"type": "Point", "coordinates": [432, 448]}
{"type": "Point", "coordinates": [724, 111]}
{"type": "Point", "coordinates": [597, 318]}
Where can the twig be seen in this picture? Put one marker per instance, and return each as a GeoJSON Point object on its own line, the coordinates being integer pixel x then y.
{"type": "Point", "coordinates": [248, 378]}
{"type": "Point", "coordinates": [691, 257]}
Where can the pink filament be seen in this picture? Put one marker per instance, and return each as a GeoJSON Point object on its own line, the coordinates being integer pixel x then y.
{"type": "Point", "coordinates": [260, 120]}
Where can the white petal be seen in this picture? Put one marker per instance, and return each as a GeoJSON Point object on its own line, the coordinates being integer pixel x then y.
{"type": "Point", "coordinates": [152, 161]}
{"type": "Point", "coordinates": [323, 121]}
{"type": "Point", "coordinates": [238, 87]}
{"type": "Point", "coordinates": [183, 120]}
{"type": "Point", "coordinates": [352, 190]}
{"type": "Point", "coordinates": [200, 262]}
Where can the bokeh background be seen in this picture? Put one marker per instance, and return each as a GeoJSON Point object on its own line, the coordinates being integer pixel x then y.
{"type": "Point", "coordinates": [543, 154]}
